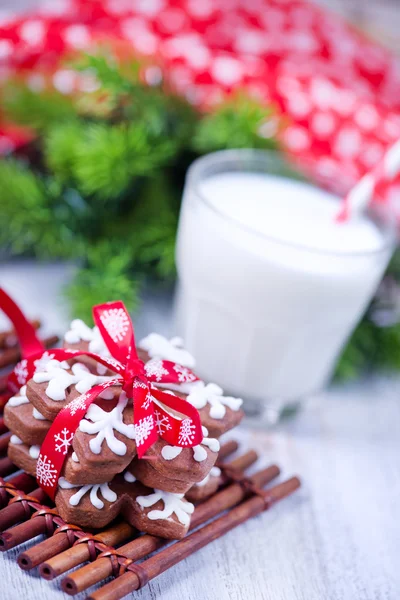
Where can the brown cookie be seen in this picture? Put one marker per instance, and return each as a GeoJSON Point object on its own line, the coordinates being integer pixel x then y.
{"type": "Point", "coordinates": [206, 488]}
{"type": "Point", "coordinates": [186, 465]}
{"type": "Point", "coordinates": [218, 413]}
{"type": "Point", "coordinates": [21, 421]}
{"type": "Point", "coordinates": [216, 427]}
{"type": "Point", "coordinates": [144, 472]}
{"type": "Point", "coordinates": [53, 388]}
{"type": "Point", "coordinates": [151, 511]}
{"type": "Point", "coordinates": [22, 455]}
{"type": "Point", "coordinates": [105, 440]}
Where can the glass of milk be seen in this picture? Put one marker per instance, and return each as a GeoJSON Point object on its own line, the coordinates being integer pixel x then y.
{"type": "Point", "coordinates": [270, 286]}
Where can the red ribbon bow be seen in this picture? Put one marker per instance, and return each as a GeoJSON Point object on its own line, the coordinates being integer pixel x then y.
{"type": "Point", "coordinates": [151, 420]}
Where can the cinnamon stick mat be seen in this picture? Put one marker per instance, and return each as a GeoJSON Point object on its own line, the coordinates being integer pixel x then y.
{"type": "Point", "coordinates": [25, 512]}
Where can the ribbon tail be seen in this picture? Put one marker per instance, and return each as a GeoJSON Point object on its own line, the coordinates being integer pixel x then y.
{"type": "Point", "coordinates": [29, 343]}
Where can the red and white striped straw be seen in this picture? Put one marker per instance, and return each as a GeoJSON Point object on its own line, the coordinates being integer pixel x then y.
{"type": "Point", "coordinates": [362, 194]}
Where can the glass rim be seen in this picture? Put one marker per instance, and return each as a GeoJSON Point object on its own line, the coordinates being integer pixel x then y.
{"type": "Point", "coordinates": [256, 158]}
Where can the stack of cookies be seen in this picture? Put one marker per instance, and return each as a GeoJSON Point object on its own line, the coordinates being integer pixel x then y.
{"type": "Point", "coordinates": [102, 475]}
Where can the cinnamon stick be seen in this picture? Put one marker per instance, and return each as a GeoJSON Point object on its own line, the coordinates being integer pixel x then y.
{"type": "Point", "coordinates": [26, 531]}
{"type": "Point", "coordinates": [18, 483]}
{"type": "Point", "coordinates": [11, 356]}
{"type": "Point", "coordinates": [4, 441]}
{"type": "Point", "coordinates": [175, 553]}
{"type": "Point", "coordinates": [19, 511]}
{"type": "Point", "coordinates": [95, 572]}
{"type": "Point", "coordinates": [6, 467]}
{"type": "Point", "coordinates": [9, 339]}
{"type": "Point", "coordinates": [3, 429]}
{"type": "Point", "coordinates": [80, 553]}
{"type": "Point", "coordinates": [57, 555]}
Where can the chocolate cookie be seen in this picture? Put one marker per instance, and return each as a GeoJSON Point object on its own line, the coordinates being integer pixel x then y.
{"type": "Point", "coordinates": [151, 511]}
{"type": "Point", "coordinates": [58, 384]}
{"type": "Point", "coordinates": [105, 440]}
{"type": "Point", "coordinates": [22, 455]}
{"type": "Point", "coordinates": [168, 467]}
{"type": "Point", "coordinates": [206, 488]}
{"type": "Point", "coordinates": [24, 420]}
{"type": "Point", "coordinates": [218, 413]}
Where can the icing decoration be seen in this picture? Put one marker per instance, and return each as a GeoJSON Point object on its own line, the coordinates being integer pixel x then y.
{"type": "Point", "coordinates": [103, 488]}
{"type": "Point", "coordinates": [212, 394]}
{"type": "Point", "coordinates": [117, 332]}
{"type": "Point", "coordinates": [79, 332]}
{"type": "Point", "coordinates": [173, 504]}
{"type": "Point", "coordinates": [14, 439]}
{"type": "Point", "coordinates": [38, 415]}
{"type": "Point", "coordinates": [20, 399]}
{"type": "Point", "coordinates": [60, 379]}
{"type": "Point", "coordinates": [104, 423]}
{"type": "Point", "coordinates": [34, 451]}
{"type": "Point", "coordinates": [214, 472]}
{"type": "Point", "coordinates": [157, 346]}
{"type": "Point", "coordinates": [74, 457]}
{"type": "Point", "coordinates": [199, 453]}
{"type": "Point", "coordinates": [129, 477]}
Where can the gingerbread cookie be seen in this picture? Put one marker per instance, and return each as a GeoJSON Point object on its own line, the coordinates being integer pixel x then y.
{"type": "Point", "coordinates": [174, 468]}
{"type": "Point", "coordinates": [22, 455]}
{"type": "Point", "coordinates": [218, 413]}
{"type": "Point", "coordinates": [207, 487]}
{"type": "Point", "coordinates": [105, 439]}
{"type": "Point", "coordinates": [58, 384]}
{"type": "Point", "coordinates": [152, 511]}
{"type": "Point", "coordinates": [24, 420]}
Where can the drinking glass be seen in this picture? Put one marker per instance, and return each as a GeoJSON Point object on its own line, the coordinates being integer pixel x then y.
{"type": "Point", "coordinates": [266, 317]}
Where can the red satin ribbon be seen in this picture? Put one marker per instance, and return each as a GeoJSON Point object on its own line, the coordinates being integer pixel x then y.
{"type": "Point", "coordinates": [29, 343]}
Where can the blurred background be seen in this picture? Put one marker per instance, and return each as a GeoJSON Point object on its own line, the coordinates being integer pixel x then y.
{"type": "Point", "coordinates": [106, 104]}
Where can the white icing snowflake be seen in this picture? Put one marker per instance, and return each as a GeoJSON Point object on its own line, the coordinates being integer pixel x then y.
{"type": "Point", "coordinates": [213, 395]}
{"type": "Point", "coordinates": [143, 429]}
{"type": "Point", "coordinates": [45, 471]}
{"type": "Point", "coordinates": [103, 488]}
{"type": "Point", "coordinates": [42, 362]}
{"type": "Point", "coordinates": [116, 321]}
{"type": "Point", "coordinates": [173, 504]}
{"type": "Point", "coordinates": [77, 404]}
{"type": "Point", "coordinates": [21, 371]}
{"type": "Point", "coordinates": [64, 440]}
{"type": "Point", "coordinates": [59, 379]}
{"type": "Point", "coordinates": [184, 375]}
{"type": "Point", "coordinates": [104, 423]}
{"type": "Point", "coordinates": [186, 432]}
{"type": "Point", "coordinates": [162, 422]}
{"type": "Point", "coordinates": [154, 368]}
{"type": "Point", "coordinates": [157, 346]}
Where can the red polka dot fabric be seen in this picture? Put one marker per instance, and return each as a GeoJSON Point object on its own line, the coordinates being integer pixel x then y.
{"type": "Point", "coordinates": [339, 91]}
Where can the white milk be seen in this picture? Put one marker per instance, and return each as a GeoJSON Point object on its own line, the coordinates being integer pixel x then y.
{"type": "Point", "coordinates": [270, 286]}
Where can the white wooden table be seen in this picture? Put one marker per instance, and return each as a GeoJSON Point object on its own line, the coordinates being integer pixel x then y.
{"type": "Point", "coordinates": [338, 538]}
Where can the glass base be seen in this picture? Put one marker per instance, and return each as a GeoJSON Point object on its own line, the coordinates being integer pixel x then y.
{"type": "Point", "coordinates": [267, 413]}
